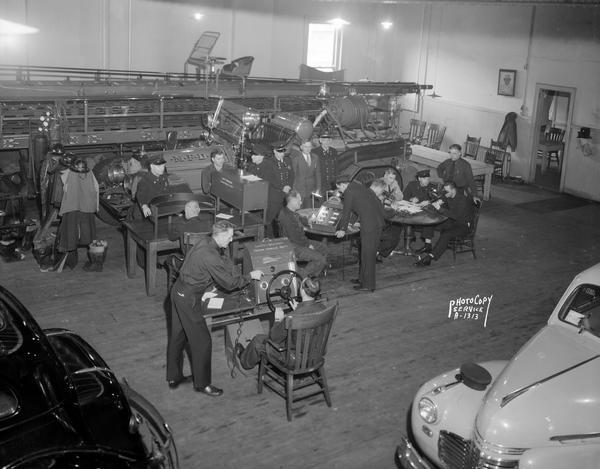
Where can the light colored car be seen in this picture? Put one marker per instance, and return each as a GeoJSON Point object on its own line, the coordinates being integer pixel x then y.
{"type": "Point", "coordinates": [541, 409]}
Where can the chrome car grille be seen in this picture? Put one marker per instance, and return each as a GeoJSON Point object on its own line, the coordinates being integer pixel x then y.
{"type": "Point", "coordinates": [459, 453]}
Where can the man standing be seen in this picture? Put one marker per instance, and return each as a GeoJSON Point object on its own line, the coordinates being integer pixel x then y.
{"type": "Point", "coordinates": [265, 170]}
{"type": "Point", "coordinates": [283, 179]}
{"type": "Point", "coordinates": [153, 183]}
{"type": "Point", "coordinates": [314, 252]}
{"type": "Point", "coordinates": [460, 211]}
{"type": "Point", "coordinates": [390, 235]}
{"type": "Point", "coordinates": [250, 356]}
{"type": "Point", "coordinates": [458, 171]}
{"type": "Point", "coordinates": [204, 268]}
{"type": "Point", "coordinates": [217, 162]}
{"type": "Point", "coordinates": [307, 172]}
{"type": "Point", "coordinates": [328, 161]}
{"type": "Point", "coordinates": [362, 201]}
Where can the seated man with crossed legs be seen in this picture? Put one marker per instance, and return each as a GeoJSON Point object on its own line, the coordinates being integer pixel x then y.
{"type": "Point", "coordinates": [314, 252]}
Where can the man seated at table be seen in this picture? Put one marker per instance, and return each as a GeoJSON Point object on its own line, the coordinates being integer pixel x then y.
{"type": "Point", "coordinates": [392, 192]}
{"type": "Point", "coordinates": [460, 211]}
{"type": "Point", "coordinates": [193, 221]}
{"type": "Point", "coordinates": [459, 171]}
{"type": "Point", "coordinates": [313, 252]}
{"type": "Point", "coordinates": [421, 193]}
{"type": "Point", "coordinates": [390, 235]}
{"type": "Point", "coordinates": [250, 356]}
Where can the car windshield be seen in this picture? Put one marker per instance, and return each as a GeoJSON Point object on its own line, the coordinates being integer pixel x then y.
{"type": "Point", "coordinates": [582, 309]}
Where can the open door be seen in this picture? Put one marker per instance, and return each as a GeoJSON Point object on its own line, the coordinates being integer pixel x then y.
{"type": "Point", "coordinates": [550, 131]}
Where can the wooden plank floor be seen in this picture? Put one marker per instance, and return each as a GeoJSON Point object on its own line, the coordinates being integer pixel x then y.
{"type": "Point", "coordinates": [383, 344]}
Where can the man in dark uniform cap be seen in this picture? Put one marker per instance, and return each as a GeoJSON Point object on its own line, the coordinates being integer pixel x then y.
{"type": "Point", "coordinates": [361, 200]}
{"type": "Point", "coordinates": [153, 183]}
{"type": "Point", "coordinates": [460, 210]}
{"type": "Point", "coordinates": [328, 157]}
{"type": "Point", "coordinates": [283, 178]}
{"type": "Point", "coordinates": [420, 192]}
{"type": "Point", "coordinates": [204, 268]}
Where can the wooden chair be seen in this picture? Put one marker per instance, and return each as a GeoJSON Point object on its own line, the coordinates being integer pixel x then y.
{"type": "Point", "coordinates": [300, 363]}
{"type": "Point", "coordinates": [200, 55]}
{"type": "Point", "coordinates": [499, 158]}
{"type": "Point", "coordinates": [166, 206]}
{"type": "Point", "coordinates": [553, 137]}
{"type": "Point", "coordinates": [472, 147]}
{"type": "Point", "coordinates": [416, 131]}
{"type": "Point", "coordinates": [466, 243]}
{"type": "Point", "coordinates": [435, 136]}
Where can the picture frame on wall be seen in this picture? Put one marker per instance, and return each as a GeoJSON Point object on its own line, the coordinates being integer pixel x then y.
{"type": "Point", "coordinates": [506, 82]}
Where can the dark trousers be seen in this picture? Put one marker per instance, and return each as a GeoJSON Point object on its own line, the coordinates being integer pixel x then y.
{"type": "Point", "coordinates": [390, 237]}
{"type": "Point", "coordinates": [448, 230]}
{"type": "Point", "coordinates": [188, 326]}
{"type": "Point", "coordinates": [316, 258]}
{"type": "Point", "coordinates": [369, 242]}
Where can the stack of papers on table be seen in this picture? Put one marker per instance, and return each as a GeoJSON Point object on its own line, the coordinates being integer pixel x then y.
{"type": "Point", "coordinates": [406, 206]}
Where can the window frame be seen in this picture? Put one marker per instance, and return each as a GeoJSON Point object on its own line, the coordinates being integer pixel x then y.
{"type": "Point", "coordinates": [337, 46]}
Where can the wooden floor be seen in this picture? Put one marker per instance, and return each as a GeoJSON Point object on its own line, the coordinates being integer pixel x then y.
{"type": "Point", "coordinates": [530, 245]}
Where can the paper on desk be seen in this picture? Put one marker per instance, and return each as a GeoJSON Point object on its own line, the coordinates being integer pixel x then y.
{"type": "Point", "coordinates": [251, 177]}
{"type": "Point", "coordinates": [215, 303]}
{"type": "Point", "coordinates": [209, 294]}
{"type": "Point", "coordinates": [224, 216]}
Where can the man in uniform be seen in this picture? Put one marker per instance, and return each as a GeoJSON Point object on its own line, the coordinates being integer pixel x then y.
{"type": "Point", "coordinates": [313, 252]}
{"type": "Point", "coordinates": [250, 356]}
{"type": "Point", "coordinates": [264, 169]}
{"type": "Point", "coordinates": [459, 171]}
{"type": "Point", "coordinates": [328, 162]}
{"type": "Point", "coordinates": [362, 201]}
{"type": "Point", "coordinates": [283, 179]}
{"type": "Point", "coordinates": [420, 192]}
{"type": "Point", "coordinates": [193, 221]}
{"type": "Point", "coordinates": [153, 183]}
{"type": "Point", "coordinates": [204, 268]}
{"type": "Point", "coordinates": [460, 211]}
{"type": "Point", "coordinates": [390, 235]}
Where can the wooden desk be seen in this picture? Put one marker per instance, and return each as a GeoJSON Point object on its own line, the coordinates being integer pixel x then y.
{"type": "Point", "coordinates": [141, 233]}
{"type": "Point", "coordinates": [237, 306]}
{"type": "Point", "coordinates": [433, 158]}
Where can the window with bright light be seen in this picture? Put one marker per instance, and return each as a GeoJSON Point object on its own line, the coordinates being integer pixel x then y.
{"type": "Point", "coordinates": [324, 50]}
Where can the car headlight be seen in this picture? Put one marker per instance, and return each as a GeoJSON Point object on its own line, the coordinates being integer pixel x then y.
{"type": "Point", "coordinates": [428, 410]}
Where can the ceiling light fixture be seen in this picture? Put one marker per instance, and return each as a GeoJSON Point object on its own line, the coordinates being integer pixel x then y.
{"type": "Point", "coordinates": [338, 22]}
{"type": "Point", "coordinates": [386, 24]}
{"type": "Point", "coordinates": [10, 28]}
{"type": "Point", "coordinates": [198, 16]}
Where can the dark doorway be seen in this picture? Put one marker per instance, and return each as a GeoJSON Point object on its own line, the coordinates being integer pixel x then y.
{"type": "Point", "coordinates": [551, 124]}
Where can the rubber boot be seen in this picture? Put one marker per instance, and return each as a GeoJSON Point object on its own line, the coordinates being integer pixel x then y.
{"type": "Point", "coordinates": [72, 259]}
{"type": "Point", "coordinates": [95, 263]}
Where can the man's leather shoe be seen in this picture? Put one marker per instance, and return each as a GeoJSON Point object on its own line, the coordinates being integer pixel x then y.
{"type": "Point", "coordinates": [361, 288]}
{"type": "Point", "coordinates": [379, 259]}
{"type": "Point", "coordinates": [174, 383]}
{"type": "Point", "coordinates": [424, 261]}
{"type": "Point", "coordinates": [210, 390]}
{"type": "Point", "coordinates": [425, 249]}
{"type": "Point", "coordinates": [355, 280]}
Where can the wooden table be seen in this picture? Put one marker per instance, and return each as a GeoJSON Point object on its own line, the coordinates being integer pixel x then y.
{"type": "Point", "coordinates": [433, 158]}
{"type": "Point", "coordinates": [141, 233]}
{"type": "Point", "coordinates": [426, 217]}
